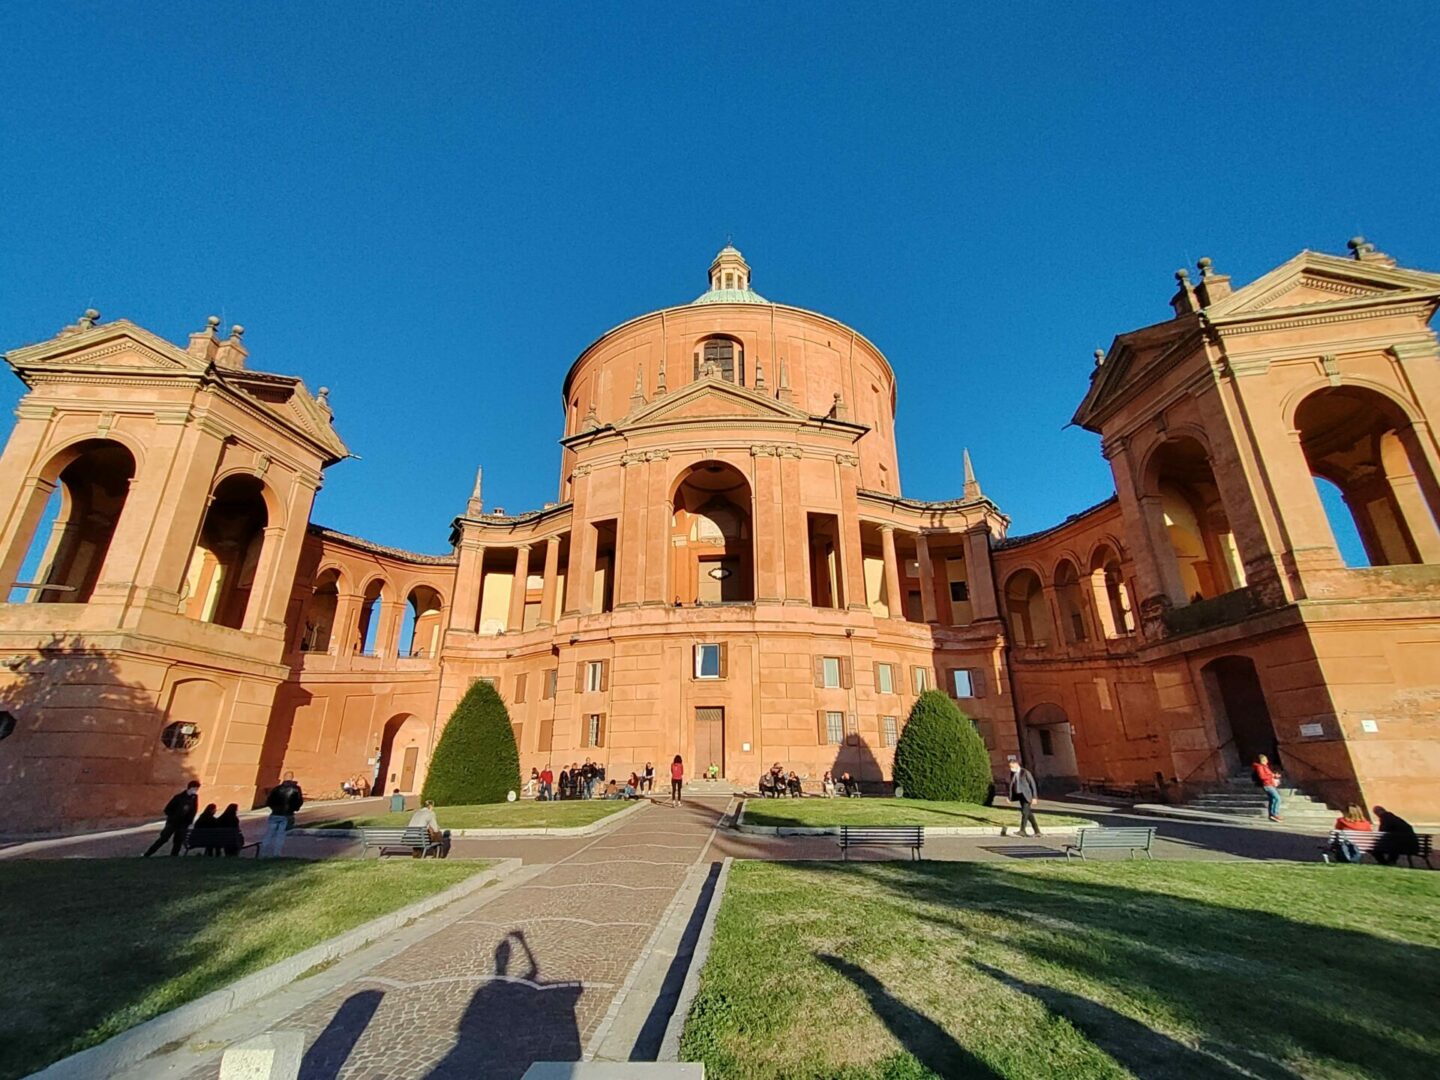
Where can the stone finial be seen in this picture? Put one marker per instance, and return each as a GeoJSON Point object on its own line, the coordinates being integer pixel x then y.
{"type": "Point", "coordinates": [784, 393]}
{"type": "Point", "coordinates": [232, 351]}
{"type": "Point", "coordinates": [660, 390]}
{"type": "Point", "coordinates": [1182, 276]}
{"type": "Point", "coordinates": [1213, 286]}
{"type": "Point", "coordinates": [759, 375]}
{"type": "Point", "coordinates": [89, 319]}
{"type": "Point", "coordinates": [837, 410]}
{"type": "Point", "coordinates": [237, 332]}
{"type": "Point", "coordinates": [476, 505]}
{"type": "Point", "coordinates": [1099, 357]}
{"type": "Point", "coordinates": [203, 342]}
{"type": "Point", "coordinates": [322, 397]}
{"type": "Point", "coordinates": [592, 419]}
{"type": "Point", "coordinates": [972, 486]}
{"type": "Point", "coordinates": [212, 324]}
{"type": "Point", "coordinates": [1364, 251]}
{"type": "Point", "coordinates": [1184, 300]}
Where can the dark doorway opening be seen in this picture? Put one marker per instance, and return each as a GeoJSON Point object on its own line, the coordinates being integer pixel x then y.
{"type": "Point", "coordinates": [1239, 703]}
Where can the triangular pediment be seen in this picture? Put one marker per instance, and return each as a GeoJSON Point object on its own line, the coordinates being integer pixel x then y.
{"type": "Point", "coordinates": [119, 347]}
{"type": "Point", "coordinates": [1314, 280]}
{"type": "Point", "coordinates": [712, 398]}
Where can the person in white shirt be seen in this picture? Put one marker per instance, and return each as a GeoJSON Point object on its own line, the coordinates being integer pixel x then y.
{"type": "Point", "coordinates": [425, 818]}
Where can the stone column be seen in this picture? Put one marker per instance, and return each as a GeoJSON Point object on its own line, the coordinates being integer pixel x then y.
{"type": "Point", "coordinates": [981, 574]}
{"type": "Point", "coordinates": [552, 580]}
{"type": "Point", "coordinates": [517, 588]}
{"type": "Point", "coordinates": [769, 528]}
{"type": "Point", "coordinates": [630, 532]}
{"type": "Point", "coordinates": [851, 553]}
{"type": "Point", "coordinates": [797, 527]}
{"type": "Point", "coordinates": [580, 574]}
{"type": "Point", "coordinates": [264, 604]}
{"type": "Point", "coordinates": [927, 578]}
{"type": "Point", "coordinates": [23, 494]}
{"type": "Point", "coordinates": [465, 604]}
{"type": "Point", "coordinates": [343, 632]}
{"type": "Point", "coordinates": [893, 600]}
{"type": "Point", "coordinates": [1410, 497]}
{"type": "Point", "coordinates": [657, 529]}
{"type": "Point", "coordinates": [276, 574]}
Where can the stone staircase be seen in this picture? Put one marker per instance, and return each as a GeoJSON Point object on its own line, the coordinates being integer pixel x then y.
{"type": "Point", "coordinates": [1239, 797]}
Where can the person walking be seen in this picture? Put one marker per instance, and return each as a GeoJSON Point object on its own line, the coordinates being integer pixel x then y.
{"type": "Point", "coordinates": [1268, 779]}
{"type": "Point", "coordinates": [677, 780]}
{"type": "Point", "coordinates": [179, 813]}
{"type": "Point", "coordinates": [284, 800]}
{"type": "Point", "coordinates": [1022, 791]}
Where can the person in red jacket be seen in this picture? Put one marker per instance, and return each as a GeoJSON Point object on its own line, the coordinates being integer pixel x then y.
{"type": "Point", "coordinates": [1354, 820]}
{"type": "Point", "coordinates": [1268, 779]}
{"type": "Point", "coordinates": [677, 780]}
{"type": "Point", "coordinates": [547, 784]}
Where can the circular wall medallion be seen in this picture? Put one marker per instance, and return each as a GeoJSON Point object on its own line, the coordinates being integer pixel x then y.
{"type": "Point", "coordinates": [181, 735]}
{"type": "Point", "coordinates": [720, 573]}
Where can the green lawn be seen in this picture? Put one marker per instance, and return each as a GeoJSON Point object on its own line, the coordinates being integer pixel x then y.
{"type": "Point", "coordinates": [1155, 970]}
{"type": "Point", "coordinates": [522, 814]}
{"type": "Point", "coordinates": [817, 813]}
{"type": "Point", "coordinates": [95, 946]}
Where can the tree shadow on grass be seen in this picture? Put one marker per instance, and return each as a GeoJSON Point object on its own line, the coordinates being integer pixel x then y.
{"type": "Point", "coordinates": [1256, 987]}
{"type": "Point", "coordinates": [930, 1043]}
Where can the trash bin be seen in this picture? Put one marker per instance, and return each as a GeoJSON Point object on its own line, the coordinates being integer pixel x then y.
{"type": "Point", "coordinates": [397, 802]}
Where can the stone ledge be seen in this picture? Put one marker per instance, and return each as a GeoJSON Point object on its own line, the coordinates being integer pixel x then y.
{"type": "Point", "coordinates": [930, 830]}
{"type": "Point", "coordinates": [138, 1043]}
{"type": "Point", "coordinates": [670, 1044]}
{"type": "Point", "coordinates": [576, 830]}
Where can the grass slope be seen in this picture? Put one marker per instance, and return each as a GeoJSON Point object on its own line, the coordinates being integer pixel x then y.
{"type": "Point", "coordinates": [816, 813]}
{"type": "Point", "coordinates": [524, 814]}
{"type": "Point", "coordinates": [95, 946]}
{"type": "Point", "coordinates": [1158, 970]}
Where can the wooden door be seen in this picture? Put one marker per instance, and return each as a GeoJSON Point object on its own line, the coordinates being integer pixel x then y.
{"type": "Point", "coordinates": [407, 770]}
{"type": "Point", "coordinates": [709, 739]}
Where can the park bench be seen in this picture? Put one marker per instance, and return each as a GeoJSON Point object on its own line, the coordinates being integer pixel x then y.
{"type": "Point", "coordinates": [199, 839]}
{"type": "Point", "coordinates": [1134, 838]}
{"type": "Point", "coordinates": [1367, 842]}
{"type": "Point", "coordinates": [911, 836]}
{"type": "Point", "coordinates": [407, 840]}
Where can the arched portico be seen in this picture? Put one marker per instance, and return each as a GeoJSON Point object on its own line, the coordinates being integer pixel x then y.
{"type": "Point", "coordinates": [712, 541]}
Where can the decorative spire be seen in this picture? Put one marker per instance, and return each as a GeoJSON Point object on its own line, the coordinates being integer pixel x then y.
{"type": "Point", "coordinates": [637, 396]}
{"type": "Point", "coordinates": [1213, 286]}
{"type": "Point", "coordinates": [660, 390]}
{"type": "Point", "coordinates": [837, 410]}
{"type": "Point", "coordinates": [759, 375]}
{"type": "Point", "coordinates": [1184, 301]}
{"type": "Point", "coordinates": [91, 317]}
{"type": "Point", "coordinates": [476, 506]}
{"type": "Point", "coordinates": [1364, 251]}
{"type": "Point", "coordinates": [972, 486]}
{"type": "Point", "coordinates": [592, 419]}
{"type": "Point", "coordinates": [203, 343]}
{"type": "Point", "coordinates": [322, 398]}
{"type": "Point", "coordinates": [1099, 357]}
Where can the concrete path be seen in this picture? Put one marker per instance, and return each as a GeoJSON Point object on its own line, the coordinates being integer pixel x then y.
{"type": "Point", "coordinates": [536, 973]}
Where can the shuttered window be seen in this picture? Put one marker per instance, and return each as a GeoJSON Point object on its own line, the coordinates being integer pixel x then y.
{"type": "Point", "coordinates": [520, 688]}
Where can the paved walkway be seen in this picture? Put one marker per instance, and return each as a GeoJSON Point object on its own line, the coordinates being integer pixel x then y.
{"type": "Point", "coordinates": [531, 975]}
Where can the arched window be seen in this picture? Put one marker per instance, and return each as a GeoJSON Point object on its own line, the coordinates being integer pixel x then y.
{"type": "Point", "coordinates": [1071, 601]}
{"type": "Point", "coordinates": [727, 357]}
{"type": "Point", "coordinates": [372, 604]}
{"type": "Point", "coordinates": [320, 614]}
{"type": "Point", "coordinates": [1364, 444]}
{"type": "Point", "coordinates": [68, 548]}
{"type": "Point", "coordinates": [1112, 598]}
{"type": "Point", "coordinates": [1026, 610]}
{"type": "Point", "coordinates": [710, 536]}
{"type": "Point", "coordinates": [420, 629]}
{"type": "Point", "coordinates": [1183, 491]}
{"type": "Point", "coordinates": [221, 576]}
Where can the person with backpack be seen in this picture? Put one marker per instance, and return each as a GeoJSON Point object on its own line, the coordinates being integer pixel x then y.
{"type": "Point", "coordinates": [179, 813]}
{"type": "Point", "coordinates": [1341, 849]}
{"type": "Point", "coordinates": [283, 802]}
{"type": "Point", "coordinates": [1268, 779]}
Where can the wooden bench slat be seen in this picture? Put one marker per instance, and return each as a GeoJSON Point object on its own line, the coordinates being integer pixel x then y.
{"type": "Point", "coordinates": [911, 836]}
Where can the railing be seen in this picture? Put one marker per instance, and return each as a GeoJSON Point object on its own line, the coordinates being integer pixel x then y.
{"type": "Point", "coordinates": [1219, 610]}
{"type": "Point", "coordinates": [1206, 760]}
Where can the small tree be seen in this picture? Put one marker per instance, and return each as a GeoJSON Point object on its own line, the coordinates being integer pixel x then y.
{"type": "Point", "coordinates": [940, 755]}
{"type": "Point", "coordinates": [476, 760]}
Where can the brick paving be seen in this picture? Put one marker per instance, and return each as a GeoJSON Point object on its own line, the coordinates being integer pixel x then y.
{"type": "Point", "coordinates": [527, 977]}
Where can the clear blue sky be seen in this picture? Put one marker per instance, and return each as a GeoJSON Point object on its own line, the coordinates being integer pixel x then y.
{"type": "Point", "coordinates": [433, 208]}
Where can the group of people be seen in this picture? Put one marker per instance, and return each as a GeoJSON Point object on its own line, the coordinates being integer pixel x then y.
{"type": "Point", "coordinates": [588, 781]}
{"type": "Point", "coordinates": [221, 832]}
{"type": "Point", "coordinates": [1397, 836]}
{"type": "Point", "coordinates": [777, 783]}
{"type": "Point", "coordinates": [357, 787]}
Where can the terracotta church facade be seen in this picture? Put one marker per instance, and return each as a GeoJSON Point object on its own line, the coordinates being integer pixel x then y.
{"type": "Point", "coordinates": [729, 570]}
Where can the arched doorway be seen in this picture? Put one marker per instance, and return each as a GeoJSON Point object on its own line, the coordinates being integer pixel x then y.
{"type": "Point", "coordinates": [1242, 716]}
{"type": "Point", "coordinates": [711, 536]}
{"type": "Point", "coordinates": [1026, 610]}
{"type": "Point", "coordinates": [402, 749]}
{"type": "Point", "coordinates": [1050, 746]}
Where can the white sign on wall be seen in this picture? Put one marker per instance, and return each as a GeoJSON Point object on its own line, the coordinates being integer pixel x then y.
{"type": "Point", "coordinates": [1311, 731]}
{"type": "Point", "coordinates": [1369, 726]}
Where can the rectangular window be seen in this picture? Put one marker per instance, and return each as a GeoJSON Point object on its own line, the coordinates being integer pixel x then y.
{"type": "Point", "coordinates": [1102, 691]}
{"type": "Point", "coordinates": [592, 733]}
{"type": "Point", "coordinates": [964, 683]}
{"type": "Point", "coordinates": [959, 590]}
{"type": "Point", "coordinates": [831, 672]}
{"type": "Point", "coordinates": [552, 681]}
{"type": "Point", "coordinates": [921, 678]}
{"type": "Point", "coordinates": [520, 681]}
{"type": "Point", "coordinates": [885, 678]}
{"type": "Point", "coordinates": [834, 728]}
{"type": "Point", "coordinates": [710, 661]}
{"type": "Point", "coordinates": [594, 669]}
{"type": "Point", "coordinates": [890, 730]}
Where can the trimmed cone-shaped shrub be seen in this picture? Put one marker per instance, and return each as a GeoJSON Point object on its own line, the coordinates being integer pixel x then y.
{"type": "Point", "coordinates": [940, 755]}
{"type": "Point", "coordinates": [476, 761]}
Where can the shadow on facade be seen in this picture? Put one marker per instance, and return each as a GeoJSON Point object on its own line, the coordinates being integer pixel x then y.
{"type": "Point", "coordinates": [1176, 956]}
{"type": "Point", "coordinates": [514, 1021]}
{"type": "Point", "coordinates": [855, 757]}
{"type": "Point", "coordinates": [54, 769]}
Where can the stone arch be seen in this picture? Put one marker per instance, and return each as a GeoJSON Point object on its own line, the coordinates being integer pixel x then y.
{"type": "Point", "coordinates": [1049, 744]}
{"type": "Point", "coordinates": [1182, 502]}
{"type": "Point", "coordinates": [403, 758]}
{"type": "Point", "coordinates": [375, 595]}
{"type": "Point", "coordinates": [196, 701]}
{"type": "Point", "coordinates": [1026, 609]}
{"type": "Point", "coordinates": [1111, 596]}
{"type": "Point", "coordinates": [712, 536]}
{"type": "Point", "coordinates": [321, 610]}
{"type": "Point", "coordinates": [220, 580]}
{"type": "Point", "coordinates": [421, 624]}
{"type": "Point", "coordinates": [1242, 714]}
{"type": "Point", "coordinates": [1364, 443]}
{"type": "Point", "coordinates": [1070, 598]}
{"type": "Point", "coordinates": [83, 490]}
